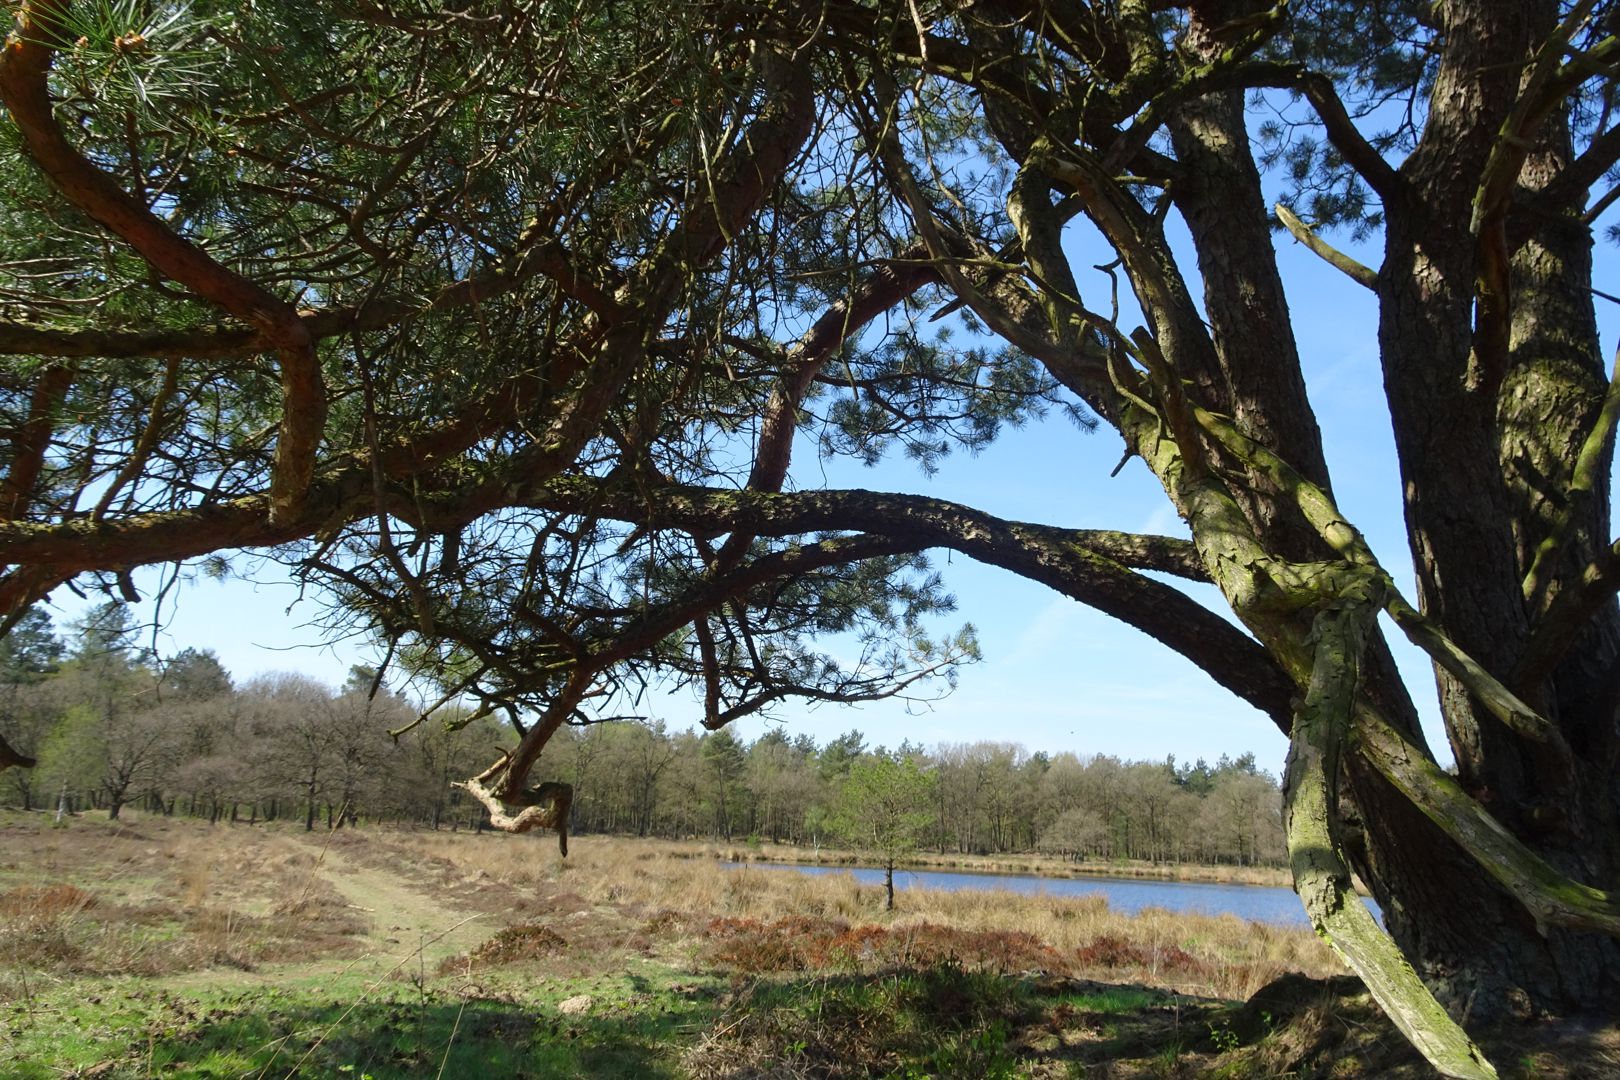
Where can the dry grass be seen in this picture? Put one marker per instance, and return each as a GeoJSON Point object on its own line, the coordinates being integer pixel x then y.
{"type": "Point", "coordinates": [513, 945]}
{"type": "Point", "coordinates": [753, 973]}
{"type": "Point", "coordinates": [154, 898]}
{"type": "Point", "coordinates": [1221, 956]}
{"type": "Point", "coordinates": [44, 901]}
{"type": "Point", "coordinates": [157, 896]}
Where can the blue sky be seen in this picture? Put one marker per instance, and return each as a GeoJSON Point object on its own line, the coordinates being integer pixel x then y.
{"type": "Point", "coordinates": [1055, 676]}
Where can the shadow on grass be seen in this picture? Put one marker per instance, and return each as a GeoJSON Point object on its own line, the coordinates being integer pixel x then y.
{"type": "Point", "coordinates": [942, 1020]}
{"type": "Point", "coordinates": [277, 1035]}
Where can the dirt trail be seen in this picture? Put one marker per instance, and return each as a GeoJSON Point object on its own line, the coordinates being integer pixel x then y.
{"type": "Point", "coordinates": [412, 926]}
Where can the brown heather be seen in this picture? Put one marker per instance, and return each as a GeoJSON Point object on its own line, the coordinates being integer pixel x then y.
{"type": "Point", "coordinates": [769, 920]}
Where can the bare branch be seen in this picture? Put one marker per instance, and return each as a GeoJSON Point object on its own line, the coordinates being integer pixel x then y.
{"type": "Point", "coordinates": [1346, 139]}
{"type": "Point", "coordinates": [544, 807]}
{"type": "Point", "coordinates": [1356, 271]}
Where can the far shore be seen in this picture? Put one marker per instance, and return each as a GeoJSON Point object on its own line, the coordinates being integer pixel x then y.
{"type": "Point", "coordinates": [1033, 864]}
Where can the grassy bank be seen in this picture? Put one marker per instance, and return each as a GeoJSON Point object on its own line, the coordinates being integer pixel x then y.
{"type": "Point", "coordinates": [167, 948]}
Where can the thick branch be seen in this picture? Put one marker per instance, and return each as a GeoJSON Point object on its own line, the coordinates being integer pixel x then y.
{"type": "Point", "coordinates": [1347, 139]}
{"type": "Point", "coordinates": [1583, 483]}
{"type": "Point", "coordinates": [1077, 563]}
{"type": "Point", "coordinates": [1323, 514]}
{"type": "Point", "coordinates": [1573, 180]}
{"type": "Point", "coordinates": [1551, 897]}
{"type": "Point", "coordinates": [1565, 617]}
{"type": "Point", "coordinates": [769, 145]}
{"type": "Point", "coordinates": [536, 255]}
{"type": "Point", "coordinates": [30, 444]}
{"type": "Point", "coordinates": [948, 255]}
{"type": "Point", "coordinates": [1539, 94]}
{"type": "Point", "coordinates": [165, 536]}
{"type": "Point", "coordinates": [1499, 701]}
{"type": "Point", "coordinates": [22, 339]}
{"type": "Point", "coordinates": [10, 757]}
{"type": "Point", "coordinates": [888, 286]}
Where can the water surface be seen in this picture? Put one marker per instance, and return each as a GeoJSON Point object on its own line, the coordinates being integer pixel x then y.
{"type": "Point", "coordinates": [1256, 903]}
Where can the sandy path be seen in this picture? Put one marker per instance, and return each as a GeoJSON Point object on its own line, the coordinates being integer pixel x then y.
{"type": "Point", "coordinates": [411, 927]}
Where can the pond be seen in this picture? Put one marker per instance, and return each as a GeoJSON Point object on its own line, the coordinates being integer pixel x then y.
{"type": "Point", "coordinates": [1257, 903]}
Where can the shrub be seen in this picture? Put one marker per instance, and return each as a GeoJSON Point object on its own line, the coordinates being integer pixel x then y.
{"type": "Point", "coordinates": [515, 944]}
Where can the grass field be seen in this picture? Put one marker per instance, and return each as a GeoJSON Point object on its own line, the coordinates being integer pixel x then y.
{"type": "Point", "coordinates": [156, 947]}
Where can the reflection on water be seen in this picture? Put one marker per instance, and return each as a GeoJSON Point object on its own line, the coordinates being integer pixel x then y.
{"type": "Point", "coordinates": [1257, 903]}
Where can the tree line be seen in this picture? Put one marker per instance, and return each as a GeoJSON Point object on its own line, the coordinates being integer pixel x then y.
{"type": "Point", "coordinates": [113, 726]}
{"type": "Point", "coordinates": [983, 797]}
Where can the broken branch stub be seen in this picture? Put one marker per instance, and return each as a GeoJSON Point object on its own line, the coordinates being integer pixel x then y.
{"type": "Point", "coordinates": [543, 807]}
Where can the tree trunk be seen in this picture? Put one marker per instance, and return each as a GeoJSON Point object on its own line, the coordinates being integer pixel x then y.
{"type": "Point", "coordinates": [1458, 400]}
{"type": "Point", "coordinates": [1486, 426]}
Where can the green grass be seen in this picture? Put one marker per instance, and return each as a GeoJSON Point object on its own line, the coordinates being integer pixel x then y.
{"type": "Point", "coordinates": [1114, 1001]}
{"type": "Point", "coordinates": [348, 1027]}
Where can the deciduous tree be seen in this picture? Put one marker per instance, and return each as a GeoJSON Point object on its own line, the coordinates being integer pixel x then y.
{"type": "Point", "coordinates": [885, 807]}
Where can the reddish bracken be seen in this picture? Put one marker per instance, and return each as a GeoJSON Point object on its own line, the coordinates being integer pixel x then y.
{"type": "Point", "coordinates": [45, 901]}
{"type": "Point", "coordinates": [802, 943]}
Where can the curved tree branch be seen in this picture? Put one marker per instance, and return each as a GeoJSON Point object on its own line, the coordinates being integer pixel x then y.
{"type": "Point", "coordinates": [1379, 174]}
{"type": "Point", "coordinates": [1071, 561]}
{"type": "Point", "coordinates": [24, 66]}
{"type": "Point", "coordinates": [29, 444]}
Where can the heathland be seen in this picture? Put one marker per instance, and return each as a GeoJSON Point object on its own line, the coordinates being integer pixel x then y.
{"type": "Point", "coordinates": [160, 946]}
